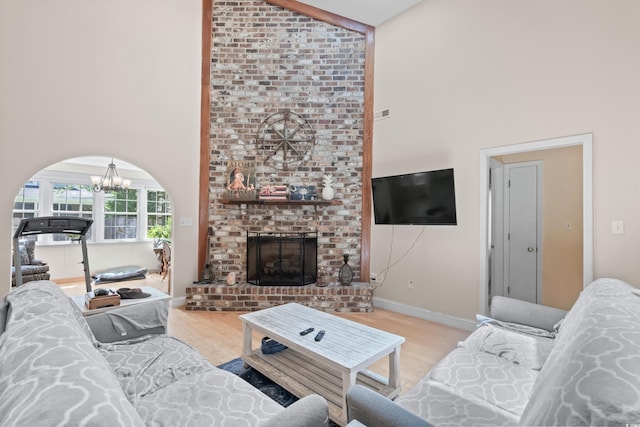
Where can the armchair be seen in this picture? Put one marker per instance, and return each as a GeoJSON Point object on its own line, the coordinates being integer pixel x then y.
{"type": "Point", "coordinates": [30, 268]}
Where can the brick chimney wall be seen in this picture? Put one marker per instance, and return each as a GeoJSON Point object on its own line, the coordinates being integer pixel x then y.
{"type": "Point", "coordinates": [267, 59]}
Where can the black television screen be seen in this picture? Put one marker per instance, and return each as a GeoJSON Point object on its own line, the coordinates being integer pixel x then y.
{"type": "Point", "coordinates": [422, 198]}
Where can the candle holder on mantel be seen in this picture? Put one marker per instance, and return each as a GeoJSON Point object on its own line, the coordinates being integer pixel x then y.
{"type": "Point", "coordinates": [345, 275]}
{"type": "Point", "coordinates": [321, 278]}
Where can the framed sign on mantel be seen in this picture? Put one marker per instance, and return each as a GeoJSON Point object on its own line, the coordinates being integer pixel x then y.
{"type": "Point", "coordinates": [241, 180]}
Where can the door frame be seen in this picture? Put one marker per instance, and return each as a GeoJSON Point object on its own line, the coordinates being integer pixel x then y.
{"type": "Point", "coordinates": [539, 165]}
{"type": "Point", "coordinates": [584, 140]}
{"type": "Point", "coordinates": [495, 234]}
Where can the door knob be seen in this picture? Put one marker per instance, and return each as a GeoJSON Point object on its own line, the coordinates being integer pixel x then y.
{"type": "Point", "coordinates": [530, 249]}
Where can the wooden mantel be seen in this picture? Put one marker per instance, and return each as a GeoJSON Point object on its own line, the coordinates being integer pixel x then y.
{"type": "Point", "coordinates": [279, 202]}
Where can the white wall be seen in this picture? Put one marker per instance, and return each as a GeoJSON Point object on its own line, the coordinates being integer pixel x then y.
{"type": "Point", "coordinates": [117, 78]}
{"type": "Point", "coordinates": [460, 76]}
{"type": "Point", "coordinates": [65, 260]}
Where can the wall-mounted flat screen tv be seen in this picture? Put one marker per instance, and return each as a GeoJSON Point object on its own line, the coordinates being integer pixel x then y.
{"type": "Point", "coordinates": [422, 198]}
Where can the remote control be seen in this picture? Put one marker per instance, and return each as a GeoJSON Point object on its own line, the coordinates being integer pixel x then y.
{"type": "Point", "coordinates": [306, 331]}
{"type": "Point", "coordinates": [319, 336]}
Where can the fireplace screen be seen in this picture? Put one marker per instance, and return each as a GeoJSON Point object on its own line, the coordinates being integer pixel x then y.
{"type": "Point", "coordinates": [282, 259]}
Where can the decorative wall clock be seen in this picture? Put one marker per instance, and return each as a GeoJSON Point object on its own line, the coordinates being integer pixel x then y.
{"type": "Point", "coordinates": [285, 140]}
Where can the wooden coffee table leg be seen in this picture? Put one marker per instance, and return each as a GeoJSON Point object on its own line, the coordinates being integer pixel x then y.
{"type": "Point", "coordinates": [348, 379]}
{"type": "Point", "coordinates": [394, 368]}
{"type": "Point", "coordinates": [246, 341]}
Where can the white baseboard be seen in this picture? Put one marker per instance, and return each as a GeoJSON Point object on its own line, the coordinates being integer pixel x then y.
{"type": "Point", "coordinates": [178, 301]}
{"type": "Point", "coordinates": [422, 313]}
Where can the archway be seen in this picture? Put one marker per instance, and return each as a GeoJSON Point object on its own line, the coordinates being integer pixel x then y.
{"type": "Point", "coordinates": [123, 218]}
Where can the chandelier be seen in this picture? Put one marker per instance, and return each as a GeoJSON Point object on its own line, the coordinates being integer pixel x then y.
{"type": "Point", "coordinates": [110, 181]}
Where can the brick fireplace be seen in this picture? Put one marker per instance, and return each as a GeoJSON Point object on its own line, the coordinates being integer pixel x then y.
{"type": "Point", "coordinates": [266, 59]}
{"type": "Point", "coordinates": [282, 259]}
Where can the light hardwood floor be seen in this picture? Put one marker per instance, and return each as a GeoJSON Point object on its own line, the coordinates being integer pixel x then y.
{"type": "Point", "coordinates": [218, 335]}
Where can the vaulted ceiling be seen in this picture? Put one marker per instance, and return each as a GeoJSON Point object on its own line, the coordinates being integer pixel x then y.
{"type": "Point", "coordinates": [371, 12]}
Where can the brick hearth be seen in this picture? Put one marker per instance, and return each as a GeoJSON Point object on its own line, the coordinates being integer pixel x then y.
{"type": "Point", "coordinates": [356, 298]}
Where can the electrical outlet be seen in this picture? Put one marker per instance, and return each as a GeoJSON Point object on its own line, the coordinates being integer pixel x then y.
{"type": "Point", "coordinates": [373, 277]}
{"type": "Point", "coordinates": [411, 284]}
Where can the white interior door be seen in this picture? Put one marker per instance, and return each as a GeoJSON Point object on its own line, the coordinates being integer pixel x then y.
{"type": "Point", "coordinates": [522, 233]}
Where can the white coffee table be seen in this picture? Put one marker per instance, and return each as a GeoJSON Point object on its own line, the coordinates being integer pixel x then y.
{"type": "Point", "coordinates": [328, 367]}
{"type": "Point", "coordinates": [155, 295]}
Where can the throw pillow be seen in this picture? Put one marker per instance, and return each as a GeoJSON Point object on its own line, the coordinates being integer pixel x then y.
{"type": "Point", "coordinates": [525, 329]}
{"type": "Point", "coordinates": [30, 246]}
{"type": "Point", "coordinates": [24, 256]}
{"type": "Point", "coordinates": [530, 351]}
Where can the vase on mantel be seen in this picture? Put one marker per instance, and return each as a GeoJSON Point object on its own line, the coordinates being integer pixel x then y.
{"type": "Point", "coordinates": [321, 279]}
{"type": "Point", "coordinates": [345, 275]}
{"type": "Point", "coordinates": [327, 190]}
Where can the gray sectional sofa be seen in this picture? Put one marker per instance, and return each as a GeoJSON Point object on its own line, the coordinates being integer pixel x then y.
{"type": "Point", "coordinates": [529, 365]}
{"type": "Point", "coordinates": [54, 372]}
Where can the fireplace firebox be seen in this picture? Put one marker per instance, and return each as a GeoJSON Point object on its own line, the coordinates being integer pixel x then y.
{"type": "Point", "coordinates": [281, 258]}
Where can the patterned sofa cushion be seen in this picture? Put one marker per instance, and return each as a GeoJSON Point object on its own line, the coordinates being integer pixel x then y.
{"type": "Point", "coordinates": [592, 376]}
{"type": "Point", "coordinates": [212, 398]}
{"type": "Point", "coordinates": [141, 364]}
{"type": "Point", "coordinates": [471, 387]}
{"type": "Point", "coordinates": [30, 270]}
{"type": "Point", "coordinates": [50, 372]}
{"type": "Point", "coordinates": [443, 406]}
{"type": "Point", "coordinates": [171, 384]}
{"type": "Point", "coordinates": [486, 377]}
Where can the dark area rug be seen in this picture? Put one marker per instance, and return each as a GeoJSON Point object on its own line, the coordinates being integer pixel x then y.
{"type": "Point", "coordinates": [259, 381]}
{"type": "Point", "coordinates": [262, 383]}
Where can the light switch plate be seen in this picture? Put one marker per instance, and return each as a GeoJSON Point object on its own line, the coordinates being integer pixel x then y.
{"type": "Point", "coordinates": [617, 227]}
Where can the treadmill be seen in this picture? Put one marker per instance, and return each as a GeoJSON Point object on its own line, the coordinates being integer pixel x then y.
{"type": "Point", "coordinates": [75, 226]}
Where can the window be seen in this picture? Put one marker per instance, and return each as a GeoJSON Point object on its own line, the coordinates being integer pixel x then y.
{"type": "Point", "coordinates": [121, 214]}
{"type": "Point", "coordinates": [141, 213]}
{"type": "Point", "coordinates": [158, 210]}
{"type": "Point", "coordinates": [72, 200]}
{"type": "Point", "coordinates": [26, 203]}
